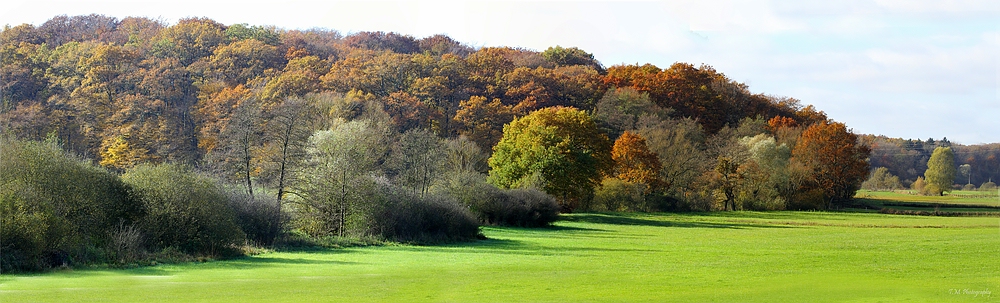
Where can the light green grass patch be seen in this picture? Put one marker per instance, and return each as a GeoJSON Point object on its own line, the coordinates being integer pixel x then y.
{"type": "Point", "coordinates": [986, 198]}
{"type": "Point", "coordinates": [720, 257]}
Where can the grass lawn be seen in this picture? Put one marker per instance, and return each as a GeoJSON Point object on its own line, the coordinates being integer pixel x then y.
{"type": "Point", "coordinates": [714, 257]}
{"type": "Point", "coordinates": [954, 197]}
{"type": "Point", "coordinates": [956, 202]}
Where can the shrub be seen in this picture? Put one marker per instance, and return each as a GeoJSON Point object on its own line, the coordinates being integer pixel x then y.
{"type": "Point", "coordinates": [618, 195]}
{"type": "Point", "coordinates": [27, 227]}
{"type": "Point", "coordinates": [516, 207]}
{"type": "Point", "coordinates": [56, 209]}
{"type": "Point", "coordinates": [184, 210]}
{"type": "Point", "coordinates": [526, 208]}
{"type": "Point", "coordinates": [466, 187]}
{"type": "Point", "coordinates": [405, 217]}
{"type": "Point", "coordinates": [258, 217]}
{"type": "Point", "coordinates": [659, 201]}
{"type": "Point", "coordinates": [931, 189]}
{"type": "Point", "coordinates": [771, 203]}
{"type": "Point", "coordinates": [881, 180]}
{"type": "Point", "coordinates": [808, 200]}
{"type": "Point", "coordinates": [919, 184]}
{"type": "Point", "coordinates": [375, 209]}
{"type": "Point", "coordinates": [702, 195]}
{"type": "Point", "coordinates": [125, 244]}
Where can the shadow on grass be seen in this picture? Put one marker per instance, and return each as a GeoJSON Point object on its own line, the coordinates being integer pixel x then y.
{"type": "Point", "coordinates": [272, 260]}
{"type": "Point", "coordinates": [517, 247]}
{"type": "Point", "coordinates": [775, 215]}
{"type": "Point", "coordinates": [88, 271]}
{"type": "Point", "coordinates": [168, 269]}
{"type": "Point", "coordinates": [550, 229]}
{"type": "Point", "coordinates": [634, 220]}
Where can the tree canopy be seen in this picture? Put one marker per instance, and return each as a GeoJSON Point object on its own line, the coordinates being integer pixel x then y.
{"type": "Point", "coordinates": [348, 135]}
{"type": "Point", "coordinates": [940, 174]}
{"type": "Point", "coordinates": [838, 161]}
{"type": "Point", "coordinates": [558, 149]}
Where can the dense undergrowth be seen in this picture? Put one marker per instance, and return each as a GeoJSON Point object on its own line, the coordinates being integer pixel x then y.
{"type": "Point", "coordinates": [58, 210]}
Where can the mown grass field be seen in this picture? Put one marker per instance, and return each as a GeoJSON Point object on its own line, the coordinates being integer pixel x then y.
{"type": "Point", "coordinates": [955, 197]}
{"type": "Point", "coordinates": [714, 257]}
{"type": "Point", "coordinates": [958, 201]}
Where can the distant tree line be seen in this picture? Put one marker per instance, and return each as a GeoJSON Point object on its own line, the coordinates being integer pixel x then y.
{"type": "Point", "coordinates": [908, 159]}
{"type": "Point", "coordinates": [261, 133]}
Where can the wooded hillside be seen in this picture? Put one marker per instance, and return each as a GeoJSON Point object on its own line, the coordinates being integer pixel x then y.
{"type": "Point", "coordinates": [134, 90]}
{"type": "Point", "coordinates": [221, 135]}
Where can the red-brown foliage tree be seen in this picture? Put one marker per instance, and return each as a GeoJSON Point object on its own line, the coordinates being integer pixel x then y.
{"type": "Point", "coordinates": [838, 161]}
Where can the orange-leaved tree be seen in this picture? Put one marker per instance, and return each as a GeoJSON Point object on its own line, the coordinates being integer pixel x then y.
{"type": "Point", "coordinates": [634, 162]}
{"type": "Point", "coordinates": [837, 160]}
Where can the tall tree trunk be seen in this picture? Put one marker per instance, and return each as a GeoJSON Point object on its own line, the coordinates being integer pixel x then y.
{"type": "Point", "coordinates": [343, 203]}
{"type": "Point", "coordinates": [246, 162]}
{"type": "Point", "coordinates": [284, 162]}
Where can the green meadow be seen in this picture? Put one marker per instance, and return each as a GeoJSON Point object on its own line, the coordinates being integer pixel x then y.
{"type": "Point", "coordinates": [984, 198]}
{"type": "Point", "coordinates": [976, 203]}
{"type": "Point", "coordinates": [720, 257]}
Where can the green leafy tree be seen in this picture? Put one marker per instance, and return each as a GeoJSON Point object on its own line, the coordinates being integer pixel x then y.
{"type": "Point", "coordinates": [558, 149]}
{"type": "Point", "coordinates": [243, 31]}
{"type": "Point", "coordinates": [940, 172]}
{"type": "Point", "coordinates": [571, 56]}
{"type": "Point", "coordinates": [767, 180]}
{"type": "Point", "coordinates": [342, 163]}
{"type": "Point", "coordinates": [620, 110]}
{"type": "Point", "coordinates": [881, 180]}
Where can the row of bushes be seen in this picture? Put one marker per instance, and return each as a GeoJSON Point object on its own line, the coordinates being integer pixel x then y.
{"type": "Point", "coordinates": [526, 207]}
{"type": "Point", "coordinates": [451, 210]}
{"type": "Point", "coordinates": [58, 210]}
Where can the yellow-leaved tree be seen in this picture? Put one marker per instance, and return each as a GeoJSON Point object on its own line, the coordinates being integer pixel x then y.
{"type": "Point", "coordinates": [557, 149]}
{"type": "Point", "coordinates": [117, 153]}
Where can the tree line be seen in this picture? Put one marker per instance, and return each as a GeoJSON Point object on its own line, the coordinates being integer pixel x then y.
{"type": "Point", "coordinates": [908, 159]}
{"type": "Point", "coordinates": [382, 135]}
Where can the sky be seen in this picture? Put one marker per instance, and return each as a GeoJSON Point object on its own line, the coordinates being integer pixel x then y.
{"type": "Point", "coordinates": [900, 68]}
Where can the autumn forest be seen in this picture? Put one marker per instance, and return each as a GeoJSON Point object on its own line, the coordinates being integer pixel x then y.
{"type": "Point", "coordinates": [197, 137]}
